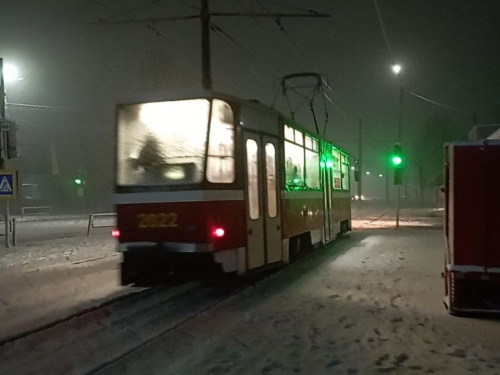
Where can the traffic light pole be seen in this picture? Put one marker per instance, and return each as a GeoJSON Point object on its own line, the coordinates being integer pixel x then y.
{"type": "Point", "coordinates": [400, 125]}
{"type": "Point", "coordinates": [360, 161]}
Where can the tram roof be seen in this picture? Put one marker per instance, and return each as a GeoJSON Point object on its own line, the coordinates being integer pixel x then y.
{"type": "Point", "coordinates": [186, 94]}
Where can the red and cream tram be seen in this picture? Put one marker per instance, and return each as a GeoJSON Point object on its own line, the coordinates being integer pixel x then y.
{"type": "Point", "coordinates": [231, 179]}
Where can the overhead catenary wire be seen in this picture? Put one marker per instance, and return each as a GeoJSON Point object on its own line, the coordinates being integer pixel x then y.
{"type": "Point", "coordinates": [294, 44]}
{"type": "Point", "coordinates": [291, 6]}
{"type": "Point", "coordinates": [270, 36]}
{"type": "Point", "coordinates": [135, 8]}
{"type": "Point", "coordinates": [64, 13]}
{"type": "Point", "coordinates": [315, 68]}
{"type": "Point", "coordinates": [221, 32]}
{"type": "Point", "coordinates": [439, 104]}
{"type": "Point", "coordinates": [382, 27]}
{"type": "Point", "coordinates": [40, 106]}
{"type": "Point", "coordinates": [150, 24]}
{"type": "Point", "coordinates": [386, 39]}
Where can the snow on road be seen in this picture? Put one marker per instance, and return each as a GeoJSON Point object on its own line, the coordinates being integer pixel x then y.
{"type": "Point", "coordinates": [369, 303]}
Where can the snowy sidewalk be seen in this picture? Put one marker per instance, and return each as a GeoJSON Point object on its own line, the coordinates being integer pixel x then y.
{"type": "Point", "coordinates": [58, 252]}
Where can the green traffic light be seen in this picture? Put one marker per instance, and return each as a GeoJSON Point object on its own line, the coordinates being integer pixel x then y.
{"type": "Point", "coordinates": [396, 160]}
{"type": "Point", "coordinates": [78, 181]}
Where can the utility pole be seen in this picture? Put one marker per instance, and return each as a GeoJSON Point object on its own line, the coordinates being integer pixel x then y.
{"type": "Point", "coordinates": [360, 159]}
{"type": "Point", "coordinates": [2, 92]}
{"type": "Point", "coordinates": [205, 16]}
{"type": "Point", "coordinates": [387, 178]}
{"type": "Point", "coordinates": [3, 151]}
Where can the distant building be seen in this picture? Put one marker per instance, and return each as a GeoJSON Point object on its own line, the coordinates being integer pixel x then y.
{"type": "Point", "coordinates": [479, 132]}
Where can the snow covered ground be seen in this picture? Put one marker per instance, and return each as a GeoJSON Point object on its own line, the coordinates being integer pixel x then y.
{"type": "Point", "coordinates": [369, 303]}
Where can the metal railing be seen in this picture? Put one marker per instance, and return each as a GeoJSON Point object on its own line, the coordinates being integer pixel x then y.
{"type": "Point", "coordinates": [10, 229]}
{"type": "Point", "coordinates": [92, 223]}
{"type": "Point", "coordinates": [36, 210]}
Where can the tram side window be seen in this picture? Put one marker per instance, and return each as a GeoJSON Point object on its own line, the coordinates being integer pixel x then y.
{"type": "Point", "coordinates": [312, 163]}
{"type": "Point", "coordinates": [294, 165]}
{"type": "Point", "coordinates": [253, 179]}
{"type": "Point", "coordinates": [294, 135]}
{"type": "Point", "coordinates": [272, 200]}
{"type": "Point", "coordinates": [345, 172]}
{"type": "Point", "coordinates": [337, 175]}
{"type": "Point", "coordinates": [220, 161]}
{"type": "Point", "coordinates": [289, 133]}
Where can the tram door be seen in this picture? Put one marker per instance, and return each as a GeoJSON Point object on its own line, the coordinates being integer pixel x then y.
{"type": "Point", "coordinates": [264, 243]}
{"type": "Point", "coordinates": [327, 177]}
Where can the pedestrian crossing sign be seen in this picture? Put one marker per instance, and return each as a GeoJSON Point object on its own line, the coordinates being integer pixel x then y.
{"type": "Point", "coordinates": [8, 184]}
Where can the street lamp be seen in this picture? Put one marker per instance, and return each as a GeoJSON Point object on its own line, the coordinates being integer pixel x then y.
{"type": "Point", "coordinates": [396, 68]}
{"type": "Point", "coordinates": [10, 73]}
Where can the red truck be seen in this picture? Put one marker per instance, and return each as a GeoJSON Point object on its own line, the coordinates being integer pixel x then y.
{"type": "Point", "coordinates": [472, 227]}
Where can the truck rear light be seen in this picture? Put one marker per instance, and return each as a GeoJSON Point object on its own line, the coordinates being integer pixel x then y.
{"type": "Point", "coordinates": [115, 233]}
{"type": "Point", "coordinates": [218, 232]}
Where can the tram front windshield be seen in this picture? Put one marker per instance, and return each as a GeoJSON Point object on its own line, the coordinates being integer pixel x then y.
{"type": "Point", "coordinates": [165, 143]}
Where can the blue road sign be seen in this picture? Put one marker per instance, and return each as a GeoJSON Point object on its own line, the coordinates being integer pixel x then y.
{"type": "Point", "coordinates": [8, 184]}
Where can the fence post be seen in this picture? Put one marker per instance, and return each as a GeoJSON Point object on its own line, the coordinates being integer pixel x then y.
{"type": "Point", "coordinates": [90, 223]}
{"type": "Point", "coordinates": [14, 236]}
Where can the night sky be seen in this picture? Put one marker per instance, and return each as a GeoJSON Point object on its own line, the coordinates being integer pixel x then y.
{"type": "Point", "coordinates": [77, 70]}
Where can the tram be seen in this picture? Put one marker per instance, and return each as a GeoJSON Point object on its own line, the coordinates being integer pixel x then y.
{"type": "Point", "coordinates": [208, 174]}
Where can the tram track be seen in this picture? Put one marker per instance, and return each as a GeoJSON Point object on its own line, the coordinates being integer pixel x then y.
{"type": "Point", "coordinates": [380, 217]}
{"type": "Point", "coordinates": [112, 331]}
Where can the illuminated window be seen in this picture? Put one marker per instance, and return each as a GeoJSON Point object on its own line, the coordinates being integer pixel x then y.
{"type": "Point", "coordinates": [337, 175]}
{"type": "Point", "coordinates": [253, 179]}
{"type": "Point", "coordinates": [308, 142]}
{"type": "Point", "coordinates": [312, 169]}
{"type": "Point", "coordinates": [315, 145]}
{"type": "Point", "coordinates": [294, 165]}
{"type": "Point", "coordinates": [220, 161]}
{"type": "Point", "coordinates": [345, 172]}
{"type": "Point", "coordinates": [311, 143]}
{"type": "Point", "coordinates": [162, 143]}
{"type": "Point", "coordinates": [294, 135]}
{"type": "Point", "coordinates": [289, 133]}
{"type": "Point", "coordinates": [272, 201]}
{"type": "Point", "coordinates": [299, 137]}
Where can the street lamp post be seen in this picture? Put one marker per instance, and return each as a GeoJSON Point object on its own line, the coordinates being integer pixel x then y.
{"type": "Point", "coordinates": [396, 68]}
{"type": "Point", "coordinates": [7, 73]}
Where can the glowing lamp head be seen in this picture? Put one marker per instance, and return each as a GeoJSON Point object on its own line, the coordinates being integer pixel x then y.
{"type": "Point", "coordinates": [218, 232]}
{"type": "Point", "coordinates": [10, 73]}
{"type": "Point", "coordinates": [115, 233]}
{"type": "Point", "coordinates": [396, 69]}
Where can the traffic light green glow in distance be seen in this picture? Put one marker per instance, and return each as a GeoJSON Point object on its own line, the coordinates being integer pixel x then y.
{"type": "Point", "coordinates": [396, 160]}
{"type": "Point", "coordinates": [78, 181]}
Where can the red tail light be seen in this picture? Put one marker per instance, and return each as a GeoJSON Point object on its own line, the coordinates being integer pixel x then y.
{"type": "Point", "coordinates": [115, 233]}
{"type": "Point", "coordinates": [218, 232]}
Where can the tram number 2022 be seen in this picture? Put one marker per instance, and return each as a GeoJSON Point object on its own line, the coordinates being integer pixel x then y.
{"type": "Point", "coordinates": [160, 220]}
